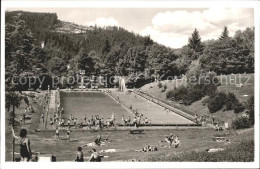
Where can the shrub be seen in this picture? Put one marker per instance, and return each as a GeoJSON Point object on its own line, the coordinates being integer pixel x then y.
{"type": "Point", "coordinates": [216, 102]}
{"type": "Point", "coordinates": [251, 109]}
{"type": "Point", "coordinates": [169, 94]}
{"type": "Point", "coordinates": [194, 94]}
{"type": "Point", "coordinates": [238, 107]}
{"type": "Point", "coordinates": [205, 101]}
{"type": "Point", "coordinates": [232, 103]}
{"type": "Point", "coordinates": [210, 89]}
{"type": "Point", "coordinates": [165, 87]}
{"type": "Point", "coordinates": [180, 93]}
{"type": "Point", "coordinates": [241, 122]}
{"type": "Point", "coordinates": [160, 85]}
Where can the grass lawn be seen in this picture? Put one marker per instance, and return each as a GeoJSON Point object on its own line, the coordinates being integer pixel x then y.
{"type": "Point", "coordinates": [192, 140]}
{"type": "Point", "coordinates": [125, 144]}
{"type": "Point", "coordinates": [243, 151]}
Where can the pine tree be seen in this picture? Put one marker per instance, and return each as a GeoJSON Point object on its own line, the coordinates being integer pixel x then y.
{"type": "Point", "coordinates": [224, 34]}
{"type": "Point", "coordinates": [195, 41]}
{"type": "Point", "coordinates": [107, 47]}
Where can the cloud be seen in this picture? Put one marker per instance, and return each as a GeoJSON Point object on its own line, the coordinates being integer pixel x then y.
{"type": "Point", "coordinates": [172, 28]}
{"type": "Point", "coordinates": [103, 22]}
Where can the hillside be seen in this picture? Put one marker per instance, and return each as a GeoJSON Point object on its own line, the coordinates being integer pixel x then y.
{"type": "Point", "coordinates": [39, 44]}
{"type": "Point", "coordinates": [113, 49]}
{"type": "Point", "coordinates": [242, 93]}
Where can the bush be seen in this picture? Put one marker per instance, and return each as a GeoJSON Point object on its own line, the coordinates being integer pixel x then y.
{"type": "Point", "coordinates": [209, 89]}
{"type": "Point", "coordinates": [251, 109]}
{"type": "Point", "coordinates": [165, 87]}
{"type": "Point", "coordinates": [230, 100]}
{"type": "Point", "coordinates": [240, 123]}
{"type": "Point", "coordinates": [216, 102]}
{"type": "Point", "coordinates": [205, 101]}
{"type": "Point", "coordinates": [160, 85]}
{"type": "Point", "coordinates": [238, 107]}
{"type": "Point", "coordinates": [180, 93]}
{"type": "Point", "coordinates": [170, 94]}
{"type": "Point", "coordinates": [193, 95]}
{"type": "Point", "coordinates": [232, 103]}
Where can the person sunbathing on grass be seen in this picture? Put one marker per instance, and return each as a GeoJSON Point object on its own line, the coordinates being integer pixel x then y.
{"type": "Point", "coordinates": [147, 148]}
{"type": "Point", "coordinates": [95, 157]}
{"type": "Point", "coordinates": [176, 142]}
{"type": "Point", "coordinates": [97, 142]}
{"type": "Point", "coordinates": [169, 140]}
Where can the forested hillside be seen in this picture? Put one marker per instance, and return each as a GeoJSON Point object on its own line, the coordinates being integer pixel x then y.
{"type": "Point", "coordinates": [115, 51]}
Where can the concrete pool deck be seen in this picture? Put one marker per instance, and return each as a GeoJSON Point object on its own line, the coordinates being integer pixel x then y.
{"type": "Point", "coordinates": [153, 109]}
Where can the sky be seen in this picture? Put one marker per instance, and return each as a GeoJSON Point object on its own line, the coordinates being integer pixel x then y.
{"type": "Point", "coordinates": [170, 26]}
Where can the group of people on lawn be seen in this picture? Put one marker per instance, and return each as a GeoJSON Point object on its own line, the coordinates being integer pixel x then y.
{"type": "Point", "coordinates": [26, 153]}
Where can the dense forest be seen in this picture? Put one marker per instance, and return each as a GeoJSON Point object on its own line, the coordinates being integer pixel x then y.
{"type": "Point", "coordinates": [115, 51]}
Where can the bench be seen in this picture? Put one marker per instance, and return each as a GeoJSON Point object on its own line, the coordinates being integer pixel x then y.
{"type": "Point", "coordinates": [136, 131]}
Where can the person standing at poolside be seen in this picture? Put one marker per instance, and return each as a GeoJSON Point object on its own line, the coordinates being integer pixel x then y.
{"type": "Point", "coordinates": [21, 119]}
{"type": "Point", "coordinates": [213, 120]}
{"type": "Point", "coordinates": [57, 133]}
{"type": "Point", "coordinates": [68, 122]}
{"type": "Point", "coordinates": [135, 122]}
{"type": "Point", "coordinates": [129, 121]}
{"type": "Point", "coordinates": [42, 116]}
{"type": "Point", "coordinates": [85, 118]}
{"type": "Point", "coordinates": [25, 149]}
{"type": "Point", "coordinates": [123, 120]}
{"type": "Point", "coordinates": [68, 133]}
{"type": "Point", "coordinates": [195, 118]}
{"type": "Point", "coordinates": [102, 122]}
{"type": "Point", "coordinates": [113, 118]}
{"type": "Point", "coordinates": [51, 121]}
{"type": "Point", "coordinates": [75, 121]}
{"type": "Point", "coordinates": [62, 122]}
{"type": "Point", "coordinates": [146, 120]}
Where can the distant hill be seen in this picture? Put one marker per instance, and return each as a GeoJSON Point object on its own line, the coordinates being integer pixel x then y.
{"type": "Point", "coordinates": [116, 51]}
